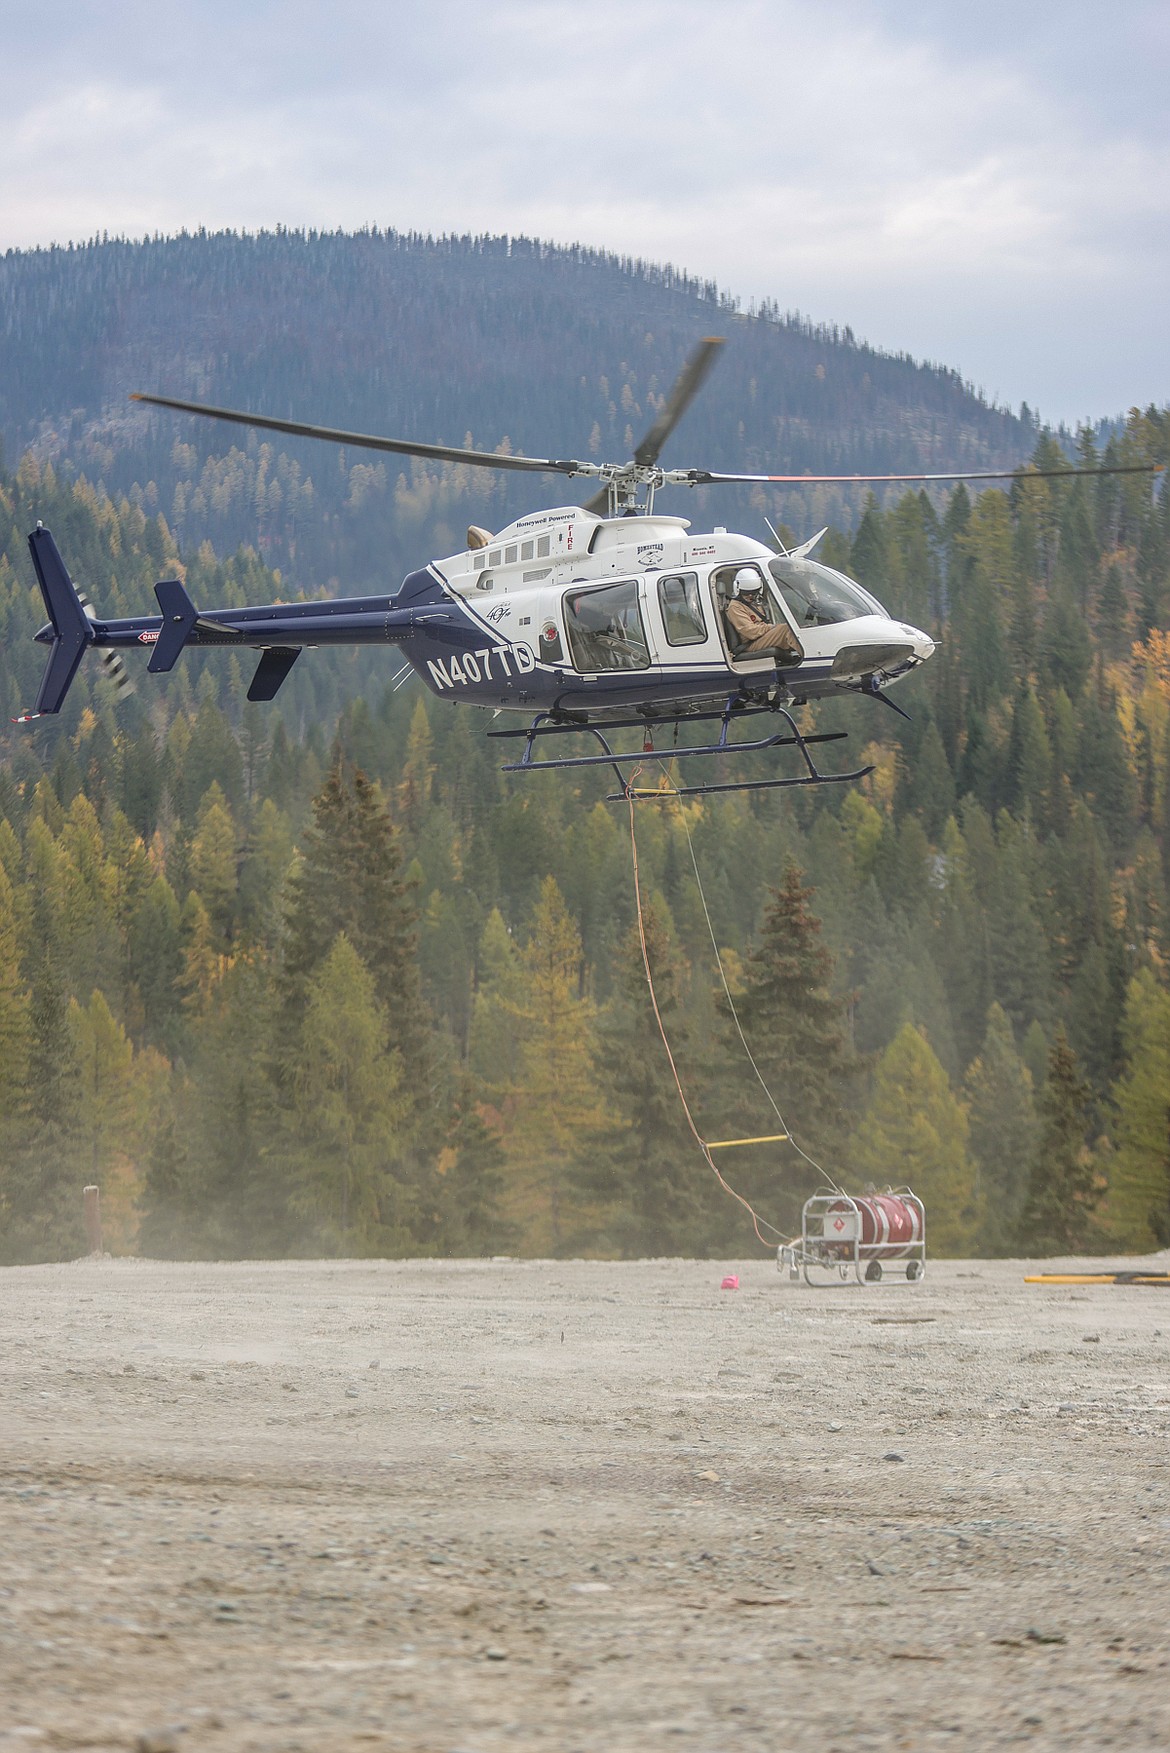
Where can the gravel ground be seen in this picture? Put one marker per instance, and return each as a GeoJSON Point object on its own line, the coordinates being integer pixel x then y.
{"type": "Point", "coordinates": [486, 1505]}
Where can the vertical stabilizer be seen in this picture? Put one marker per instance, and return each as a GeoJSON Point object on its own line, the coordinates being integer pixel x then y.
{"type": "Point", "coordinates": [71, 627]}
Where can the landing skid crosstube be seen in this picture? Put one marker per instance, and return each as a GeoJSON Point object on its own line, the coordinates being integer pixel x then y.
{"type": "Point", "coordinates": [544, 725]}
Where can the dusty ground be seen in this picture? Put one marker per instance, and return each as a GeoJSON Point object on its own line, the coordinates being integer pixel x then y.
{"type": "Point", "coordinates": [530, 1505]}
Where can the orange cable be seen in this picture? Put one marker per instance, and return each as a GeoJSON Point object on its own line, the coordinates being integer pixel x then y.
{"type": "Point", "coordinates": [699, 1139]}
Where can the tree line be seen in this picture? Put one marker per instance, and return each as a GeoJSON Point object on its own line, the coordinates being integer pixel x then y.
{"type": "Point", "coordinates": [317, 978]}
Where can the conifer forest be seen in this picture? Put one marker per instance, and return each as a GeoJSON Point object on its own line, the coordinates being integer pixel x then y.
{"type": "Point", "coordinates": [315, 978]}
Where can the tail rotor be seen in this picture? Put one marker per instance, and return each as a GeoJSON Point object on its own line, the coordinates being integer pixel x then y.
{"type": "Point", "coordinates": [113, 668]}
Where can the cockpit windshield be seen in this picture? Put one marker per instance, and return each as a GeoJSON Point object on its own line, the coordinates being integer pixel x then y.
{"type": "Point", "coordinates": [817, 596]}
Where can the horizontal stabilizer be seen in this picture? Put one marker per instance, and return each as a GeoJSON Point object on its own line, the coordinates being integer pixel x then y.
{"type": "Point", "coordinates": [179, 616]}
{"type": "Point", "coordinates": [274, 665]}
{"type": "Point", "coordinates": [71, 628]}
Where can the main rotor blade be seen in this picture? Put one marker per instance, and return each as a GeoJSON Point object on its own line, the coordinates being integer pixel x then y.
{"type": "Point", "coordinates": [687, 385]}
{"type": "Point", "coordinates": [708, 477]}
{"type": "Point", "coordinates": [444, 453]}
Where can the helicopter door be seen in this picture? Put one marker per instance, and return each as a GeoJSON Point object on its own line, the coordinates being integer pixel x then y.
{"type": "Point", "coordinates": [606, 628]}
{"type": "Point", "coordinates": [722, 579]}
{"type": "Point", "coordinates": [688, 631]}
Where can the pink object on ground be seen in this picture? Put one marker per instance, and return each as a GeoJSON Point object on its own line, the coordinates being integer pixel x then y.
{"type": "Point", "coordinates": [731, 1282]}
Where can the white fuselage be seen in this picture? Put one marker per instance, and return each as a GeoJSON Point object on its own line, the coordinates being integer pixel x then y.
{"type": "Point", "coordinates": [539, 588]}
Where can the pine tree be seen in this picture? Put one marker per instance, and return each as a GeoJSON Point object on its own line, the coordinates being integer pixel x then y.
{"type": "Point", "coordinates": [910, 536]}
{"type": "Point", "coordinates": [168, 1223]}
{"type": "Point", "coordinates": [350, 880]}
{"type": "Point", "coordinates": [472, 1219]}
{"type": "Point", "coordinates": [793, 1023]}
{"type": "Point", "coordinates": [930, 785]}
{"type": "Point", "coordinates": [1002, 1120]}
{"type": "Point", "coordinates": [154, 960]}
{"type": "Point", "coordinates": [1104, 770]}
{"type": "Point", "coordinates": [235, 1158]}
{"type": "Point", "coordinates": [914, 1133]}
{"type": "Point", "coordinates": [267, 858]}
{"type": "Point", "coordinates": [1066, 651]}
{"type": "Point", "coordinates": [116, 1088]}
{"type": "Point", "coordinates": [1138, 1210]}
{"type": "Point", "coordinates": [1113, 617]}
{"type": "Point", "coordinates": [346, 1111]}
{"type": "Point", "coordinates": [203, 965]}
{"type": "Point", "coordinates": [642, 1179]}
{"type": "Point", "coordinates": [14, 1011]}
{"type": "Point", "coordinates": [41, 1181]}
{"type": "Point", "coordinates": [1029, 757]}
{"type": "Point", "coordinates": [212, 862]}
{"type": "Point", "coordinates": [494, 1049]}
{"type": "Point", "coordinates": [869, 560]}
{"type": "Point", "coordinates": [418, 770]}
{"type": "Point", "coordinates": [554, 1099]}
{"type": "Point", "coordinates": [1062, 1182]}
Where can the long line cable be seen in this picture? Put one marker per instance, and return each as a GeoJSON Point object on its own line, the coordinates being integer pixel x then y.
{"type": "Point", "coordinates": [731, 1001]}
{"type": "Point", "coordinates": [698, 1137]}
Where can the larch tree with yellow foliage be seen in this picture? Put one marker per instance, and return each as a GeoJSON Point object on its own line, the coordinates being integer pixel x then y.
{"type": "Point", "coordinates": [1138, 1209]}
{"type": "Point", "coordinates": [555, 1097]}
{"type": "Point", "coordinates": [914, 1134]}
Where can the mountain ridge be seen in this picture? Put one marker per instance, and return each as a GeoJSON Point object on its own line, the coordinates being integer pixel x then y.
{"type": "Point", "coordinates": [545, 348]}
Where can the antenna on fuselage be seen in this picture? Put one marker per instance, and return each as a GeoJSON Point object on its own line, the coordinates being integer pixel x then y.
{"type": "Point", "coordinates": [775, 537]}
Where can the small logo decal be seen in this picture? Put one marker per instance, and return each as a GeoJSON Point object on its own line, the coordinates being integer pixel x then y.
{"type": "Point", "coordinates": [148, 638]}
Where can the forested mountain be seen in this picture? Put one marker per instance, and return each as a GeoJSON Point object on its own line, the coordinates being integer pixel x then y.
{"type": "Point", "coordinates": [317, 977]}
{"type": "Point", "coordinates": [556, 352]}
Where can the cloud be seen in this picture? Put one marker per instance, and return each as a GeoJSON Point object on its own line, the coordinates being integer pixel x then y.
{"type": "Point", "coordinates": [995, 197]}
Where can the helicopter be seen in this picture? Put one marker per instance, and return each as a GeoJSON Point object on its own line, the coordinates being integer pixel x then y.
{"type": "Point", "coordinates": [588, 619]}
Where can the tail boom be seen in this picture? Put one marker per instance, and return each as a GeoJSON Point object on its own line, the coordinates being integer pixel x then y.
{"type": "Point", "coordinates": [278, 631]}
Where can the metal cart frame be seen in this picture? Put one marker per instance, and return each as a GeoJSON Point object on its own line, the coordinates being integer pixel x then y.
{"type": "Point", "coordinates": [831, 1245]}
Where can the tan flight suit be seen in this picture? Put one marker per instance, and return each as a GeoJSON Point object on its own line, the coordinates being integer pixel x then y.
{"type": "Point", "coordinates": [757, 632]}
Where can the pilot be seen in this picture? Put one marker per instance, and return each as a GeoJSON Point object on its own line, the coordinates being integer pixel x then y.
{"type": "Point", "coordinates": [745, 612]}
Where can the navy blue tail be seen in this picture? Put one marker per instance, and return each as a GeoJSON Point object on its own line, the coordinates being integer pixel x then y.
{"type": "Point", "coordinates": [71, 628]}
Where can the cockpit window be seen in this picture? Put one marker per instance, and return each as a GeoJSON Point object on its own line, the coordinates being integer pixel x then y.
{"type": "Point", "coordinates": [605, 628]}
{"type": "Point", "coordinates": [818, 596]}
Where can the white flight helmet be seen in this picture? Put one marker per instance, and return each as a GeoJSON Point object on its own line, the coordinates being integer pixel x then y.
{"type": "Point", "coordinates": [747, 582]}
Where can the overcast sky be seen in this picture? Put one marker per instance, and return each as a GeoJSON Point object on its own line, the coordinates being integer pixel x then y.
{"type": "Point", "coordinates": [987, 185]}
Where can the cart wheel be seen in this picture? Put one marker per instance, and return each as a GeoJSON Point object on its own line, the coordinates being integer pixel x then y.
{"type": "Point", "coordinates": [873, 1272]}
{"type": "Point", "coordinates": [913, 1270]}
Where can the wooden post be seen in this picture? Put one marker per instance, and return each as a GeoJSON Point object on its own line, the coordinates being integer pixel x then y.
{"type": "Point", "coordinates": [93, 1219]}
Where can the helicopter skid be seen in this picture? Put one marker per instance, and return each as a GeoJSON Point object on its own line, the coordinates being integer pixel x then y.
{"type": "Point", "coordinates": [541, 726]}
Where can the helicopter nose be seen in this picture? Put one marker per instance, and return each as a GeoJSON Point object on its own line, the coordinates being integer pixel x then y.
{"type": "Point", "coordinates": [924, 646]}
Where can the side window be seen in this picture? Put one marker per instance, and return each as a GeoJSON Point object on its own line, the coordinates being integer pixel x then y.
{"type": "Point", "coordinates": [605, 629]}
{"type": "Point", "coordinates": [682, 611]}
